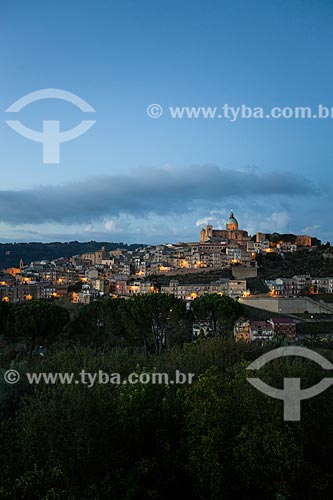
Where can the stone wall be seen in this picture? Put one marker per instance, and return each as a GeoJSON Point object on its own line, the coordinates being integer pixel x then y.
{"type": "Point", "coordinates": [242, 272]}
{"type": "Point", "coordinates": [282, 305]}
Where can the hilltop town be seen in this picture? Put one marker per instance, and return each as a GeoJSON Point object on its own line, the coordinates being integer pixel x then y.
{"type": "Point", "coordinates": [228, 262]}
{"type": "Point", "coordinates": [224, 261]}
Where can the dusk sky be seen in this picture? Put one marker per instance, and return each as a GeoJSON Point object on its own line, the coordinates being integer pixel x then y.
{"type": "Point", "coordinates": [133, 178]}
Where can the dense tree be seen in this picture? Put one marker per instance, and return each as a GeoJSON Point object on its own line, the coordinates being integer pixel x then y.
{"type": "Point", "coordinates": [36, 321]}
{"type": "Point", "coordinates": [153, 318]}
{"type": "Point", "coordinates": [219, 311]}
{"type": "Point", "coordinates": [215, 438]}
{"type": "Point", "coordinates": [273, 265]}
{"type": "Point", "coordinates": [5, 308]}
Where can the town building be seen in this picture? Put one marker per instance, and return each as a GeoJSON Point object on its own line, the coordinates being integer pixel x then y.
{"type": "Point", "coordinates": [230, 234]}
{"type": "Point", "coordinates": [283, 327]}
{"type": "Point", "coordinates": [260, 332]}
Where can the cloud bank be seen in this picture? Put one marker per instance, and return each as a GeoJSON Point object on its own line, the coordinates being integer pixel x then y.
{"type": "Point", "coordinates": [160, 191]}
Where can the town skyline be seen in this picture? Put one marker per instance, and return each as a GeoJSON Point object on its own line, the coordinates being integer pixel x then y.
{"type": "Point", "coordinates": [230, 253]}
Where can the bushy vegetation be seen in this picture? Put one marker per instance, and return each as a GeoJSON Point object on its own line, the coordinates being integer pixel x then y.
{"type": "Point", "coordinates": [315, 328]}
{"type": "Point", "coordinates": [217, 438]}
{"type": "Point", "coordinates": [149, 323]}
{"type": "Point", "coordinates": [272, 266]}
{"type": "Point", "coordinates": [256, 285]}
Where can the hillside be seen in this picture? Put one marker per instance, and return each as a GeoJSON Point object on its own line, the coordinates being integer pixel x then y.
{"type": "Point", "coordinates": [12, 253]}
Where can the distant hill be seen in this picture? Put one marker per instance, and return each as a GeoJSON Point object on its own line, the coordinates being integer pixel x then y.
{"type": "Point", "coordinates": [12, 253]}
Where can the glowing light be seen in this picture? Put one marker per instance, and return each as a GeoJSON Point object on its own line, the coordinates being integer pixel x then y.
{"type": "Point", "coordinates": [164, 269]}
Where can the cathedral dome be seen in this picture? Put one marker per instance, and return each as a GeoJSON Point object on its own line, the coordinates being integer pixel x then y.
{"type": "Point", "coordinates": [232, 223]}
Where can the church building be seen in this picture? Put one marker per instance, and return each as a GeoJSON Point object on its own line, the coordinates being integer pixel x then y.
{"type": "Point", "coordinates": [231, 233]}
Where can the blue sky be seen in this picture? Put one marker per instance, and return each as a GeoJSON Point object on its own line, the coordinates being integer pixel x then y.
{"type": "Point", "coordinates": [136, 179]}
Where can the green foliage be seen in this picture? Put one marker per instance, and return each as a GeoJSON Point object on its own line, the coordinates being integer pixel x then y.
{"type": "Point", "coordinates": [217, 438]}
{"type": "Point", "coordinates": [220, 312]}
{"type": "Point", "coordinates": [5, 308]}
{"type": "Point", "coordinates": [121, 441]}
{"type": "Point", "coordinates": [155, 318]}
{"type": "Point", "coordinates": [256, 285]}
{"type": "Point", "coordinates": [240, 447]}
{"type": "Point", "coordinates": [99, 323]}
{"type": "Point", "coordinates": [36, 320]}
{"type": "Point", "coordinates": [148, 322]}
{"type": "Point", "coordinates": [272, 266]}
{"type": "Point", "coordinates": [315, 328]}
{"type": "Point", "coordinates": [76, 287]}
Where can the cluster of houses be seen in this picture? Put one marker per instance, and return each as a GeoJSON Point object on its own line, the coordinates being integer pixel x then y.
{"type": "Point", "coordinates": [124, 272]}
{"type": "Point", "coordinates": [259, 332]}
{"type": "Point", "coordinates": [170, 259]}
{"type": "Point", "coordinates": [254, 331]}
{"type": "Point", "coordinates": [98, 277]}
{"type": "Point", "coordinates": [300, 284]}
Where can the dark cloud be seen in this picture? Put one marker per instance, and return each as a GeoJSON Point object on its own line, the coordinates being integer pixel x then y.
{"type": "Point", "coordinates": [159, 191]}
